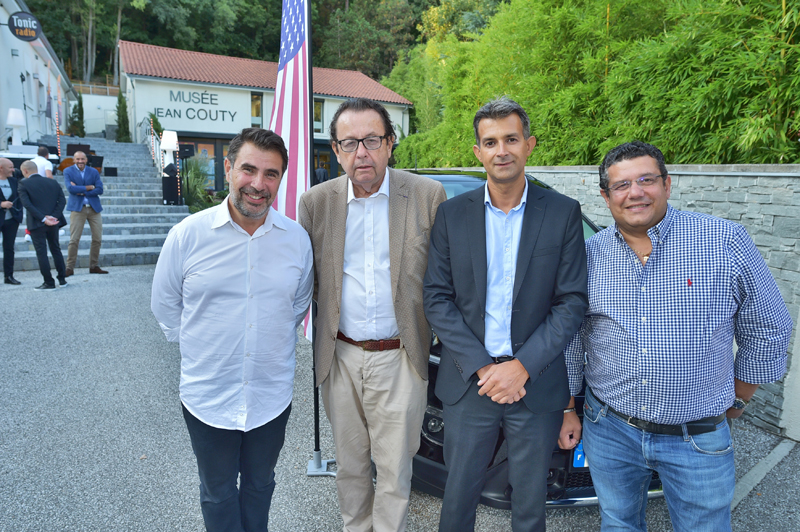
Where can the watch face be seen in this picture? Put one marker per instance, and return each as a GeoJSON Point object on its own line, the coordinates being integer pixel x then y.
{"type": "Point", "coordinates": [739, 404]}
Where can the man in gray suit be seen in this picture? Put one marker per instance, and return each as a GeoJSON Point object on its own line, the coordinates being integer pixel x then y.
{"type": "Point", "coordinates": [370, 231]}
{"type": "Point", "coordinates": [505, 290]}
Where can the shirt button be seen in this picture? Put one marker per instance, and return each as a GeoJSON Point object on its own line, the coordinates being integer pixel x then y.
{"type": "Point", "coordinates": [643, 290]}
{"type": "Point", "coordinates": [369, 238]}
{"type": "Point", "coordinates": [644, 408]}
{"type": "Point", "coordinates": [370, 292]}
{"type": "Point", "coordinates": [644, 319]}
{"type": "Point", "coordinates": [241, 414]}
{"type": "Point", "coordinates": [644, 381]}
{"type": "Point", "coordinates": [251, 325]}
{"type": "Point", "coordinates": [251, 267]}
{"type": "Point", "coordinates": [247, 355]}
{"type": "Point", "coordinates": [644, 351]}
{"type": "Point", "coordinates": [245, 383]}
{"type": "Point", "coordinates": [251, 296]}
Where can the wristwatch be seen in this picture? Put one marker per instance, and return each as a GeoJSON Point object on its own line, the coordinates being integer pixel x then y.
{"type": "Point", "coordinates": [739, 404]}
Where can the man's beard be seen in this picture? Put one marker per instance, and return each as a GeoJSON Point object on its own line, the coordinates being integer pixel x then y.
{"type": "Point", "coordinates": [245, 209]}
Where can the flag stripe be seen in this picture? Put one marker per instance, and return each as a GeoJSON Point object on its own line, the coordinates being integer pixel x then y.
{"type": "Point", "coordinates": [290, 111]}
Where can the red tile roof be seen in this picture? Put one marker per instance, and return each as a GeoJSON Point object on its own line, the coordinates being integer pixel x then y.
{"type": "Point", "coordinates": [170, 63]}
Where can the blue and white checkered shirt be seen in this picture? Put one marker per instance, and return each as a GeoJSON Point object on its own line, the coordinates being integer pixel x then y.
{"type": "Point", "coordinates": [657, 340]}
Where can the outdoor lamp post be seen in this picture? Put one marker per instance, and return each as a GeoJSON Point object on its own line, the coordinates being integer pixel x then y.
{"type": "Point", "coordinates": [24, 107]}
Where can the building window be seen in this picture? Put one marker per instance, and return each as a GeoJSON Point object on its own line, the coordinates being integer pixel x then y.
{"type": "Point", "coordinates": [255, 109]}
{"type": "Point", "coordinates": [318, 127]}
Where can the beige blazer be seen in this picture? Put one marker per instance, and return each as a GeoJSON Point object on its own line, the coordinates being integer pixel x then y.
{"type": "Point", "coordinates": [413, 201]}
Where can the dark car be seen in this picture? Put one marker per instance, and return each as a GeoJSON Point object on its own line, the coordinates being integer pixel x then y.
{"type": "Point", "coordinates": [569, 482]}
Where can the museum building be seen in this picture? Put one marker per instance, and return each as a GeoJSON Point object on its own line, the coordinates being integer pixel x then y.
{"type": "Point", "coordinates": [207, 99]}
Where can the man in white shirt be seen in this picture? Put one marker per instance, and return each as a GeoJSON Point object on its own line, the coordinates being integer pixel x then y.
{"type": "Point", "coordinates": [45, 167]}
{"type": "Point", "coordinates": [231, 285]}
{"type": "Point", "coordinates": [370, 231]}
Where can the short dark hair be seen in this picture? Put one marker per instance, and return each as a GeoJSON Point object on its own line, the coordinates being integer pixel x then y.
{"type": "Point", "coordinates": [358, 105]}
{"type": "Point", "coordinates": [42, 151]}
{"type": "Point", "coordinates": [263, 139]}
{"type": "Point", "coordinates": [500, 108]}
{"type": "Point", "coordinates": [630, 150]}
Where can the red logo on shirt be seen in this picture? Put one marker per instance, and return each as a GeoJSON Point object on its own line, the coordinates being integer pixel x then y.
{"type": "Point", "coordinates": [689, 281]}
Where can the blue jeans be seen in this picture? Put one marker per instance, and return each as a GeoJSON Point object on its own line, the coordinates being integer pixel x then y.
{"type": "Point", "coordinates": [697, 472]}
{"type": "Point", "coordinates": [222, 455]}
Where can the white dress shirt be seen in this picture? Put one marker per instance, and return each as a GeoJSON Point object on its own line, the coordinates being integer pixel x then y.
{"type": "Point", "coordinates": [234, 302]}
{"type": "Point", "coordinates": [367, 310]}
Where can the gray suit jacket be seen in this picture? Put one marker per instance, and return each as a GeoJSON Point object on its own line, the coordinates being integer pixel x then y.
{"type": "Point", "coordinates": [413, 201]}
{"type": "Point", "coordinates": [549, 298]}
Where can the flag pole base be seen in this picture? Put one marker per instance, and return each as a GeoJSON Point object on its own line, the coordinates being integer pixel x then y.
{"type": "Point", "coordinates": [317, 467]}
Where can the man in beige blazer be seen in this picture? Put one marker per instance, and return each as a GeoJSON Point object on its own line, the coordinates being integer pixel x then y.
{"type": "Point", "coordinates": [370, 232]}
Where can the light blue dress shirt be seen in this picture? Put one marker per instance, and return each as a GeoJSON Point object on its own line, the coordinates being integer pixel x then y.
{"type": "Point", "coordinates": [503, 232]}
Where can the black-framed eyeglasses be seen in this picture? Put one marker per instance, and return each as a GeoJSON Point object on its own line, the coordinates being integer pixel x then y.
{"type": "Point", "coordinates": [370, 143]}
{"type": "Point", "coordinates": [644, 182]}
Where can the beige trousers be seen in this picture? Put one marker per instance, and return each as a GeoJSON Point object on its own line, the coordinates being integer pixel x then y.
{"type": "Point", "coordinates": [375, 402]}
{"type": "Point", "coordinates": [76, 221]}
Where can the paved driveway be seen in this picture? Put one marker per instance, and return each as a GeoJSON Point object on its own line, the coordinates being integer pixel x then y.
{"type": "Point", "coordinates": [92, 438]}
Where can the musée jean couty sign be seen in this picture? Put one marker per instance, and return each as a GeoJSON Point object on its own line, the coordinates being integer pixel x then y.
{"type": "Point", "coordinates": [202, 106]}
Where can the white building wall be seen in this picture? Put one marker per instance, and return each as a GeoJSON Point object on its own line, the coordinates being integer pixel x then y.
{"type": "Point", "coordinates": [32, 60]}
{"type": "Point", "coordinates": [191, 107]}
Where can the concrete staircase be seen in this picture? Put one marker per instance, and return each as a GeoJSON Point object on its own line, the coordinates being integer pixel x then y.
{"type": "Point", "coordinates": [135, 221]}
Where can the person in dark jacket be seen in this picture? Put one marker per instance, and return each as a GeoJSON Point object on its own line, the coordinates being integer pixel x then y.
{"type": "Point", "coordinates": [10, 217]}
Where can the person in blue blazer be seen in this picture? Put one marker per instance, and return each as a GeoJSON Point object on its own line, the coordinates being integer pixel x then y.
{"type": "Point", "coordinates": [10, 217]}
{"type": "Point", "coordinates": [85, 187]}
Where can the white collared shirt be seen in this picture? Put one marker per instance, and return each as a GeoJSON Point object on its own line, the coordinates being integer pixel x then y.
{"type": "Point", "coordinates": [367, 310]}
{"type": "Point", "coordinates": [233, 302]}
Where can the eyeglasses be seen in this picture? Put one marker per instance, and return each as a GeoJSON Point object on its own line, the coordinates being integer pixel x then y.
{"type": "Point", "coordinates": [644, 182]}
{"type": "Point", "coordinates": [370, 143]}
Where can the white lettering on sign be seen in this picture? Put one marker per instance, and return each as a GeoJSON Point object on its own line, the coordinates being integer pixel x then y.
{"type": "Point", "coordinates": [24, 22]}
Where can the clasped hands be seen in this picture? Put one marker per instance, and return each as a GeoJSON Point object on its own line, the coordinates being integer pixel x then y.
{"type": "Point", "coordinates": [50, 220]}
{"type": "Point", "coordinates": [6, 204]}
{"type": "Point", "coordinates": [503, 383]}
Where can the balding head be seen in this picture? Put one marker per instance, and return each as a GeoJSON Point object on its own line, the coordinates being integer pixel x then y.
{"type": "Point", "coordinates": [6, 168]}
{"type": "Point", "coordinates": [80, 160]}
{"type": "Point", "coordinates": [28, 168]}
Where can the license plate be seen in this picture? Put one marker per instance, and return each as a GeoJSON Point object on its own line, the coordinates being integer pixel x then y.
{"type": "Point", "coordinates": [579, 457]}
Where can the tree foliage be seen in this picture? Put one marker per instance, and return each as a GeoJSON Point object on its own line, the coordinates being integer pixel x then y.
{"type": "Point", "coordinates": [708, 81]}
{"type": "Point", "coordinates": [123, 124]}
{"type": "Point", "coordinates": [367, 36]}
{"type": "Point", "coordinates": [75, 124]}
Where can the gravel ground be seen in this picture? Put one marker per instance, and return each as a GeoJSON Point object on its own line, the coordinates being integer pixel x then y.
{"type": "Point", "coordinates": [92, 436]}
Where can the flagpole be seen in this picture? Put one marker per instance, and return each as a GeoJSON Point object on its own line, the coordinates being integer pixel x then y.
{"type": "Point", "coordinates": [317, 467]}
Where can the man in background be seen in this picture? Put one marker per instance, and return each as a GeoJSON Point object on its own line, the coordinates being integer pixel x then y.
{"type": "Point", "coordinates": [44, 202]}
{"type": "Point", "coordinates": [43, 164]}
{"type": "Point", "coordinates": [85, 187]}
{"type": "Point", "coordinates": [10, 217]}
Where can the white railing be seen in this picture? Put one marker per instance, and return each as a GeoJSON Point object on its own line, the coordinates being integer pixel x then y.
{"type": "Point", "coordinates": [153, 142]}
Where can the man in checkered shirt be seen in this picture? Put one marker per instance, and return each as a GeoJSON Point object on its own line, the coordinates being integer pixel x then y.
{"type": "Point", "coordinates": [669, 291]}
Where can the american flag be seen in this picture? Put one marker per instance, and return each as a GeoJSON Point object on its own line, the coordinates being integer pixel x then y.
{"type": "Point", "coordinates": [290, 112]}
{"type": "Point", "coordinates": [290, 118]}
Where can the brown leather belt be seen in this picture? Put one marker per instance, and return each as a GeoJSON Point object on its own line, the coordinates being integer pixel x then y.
{"type": "Point", "coordinates": [371, 345]}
